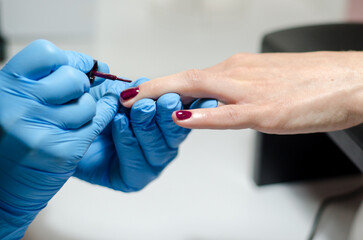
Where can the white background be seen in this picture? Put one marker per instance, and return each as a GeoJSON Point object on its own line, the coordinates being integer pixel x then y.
{"type": "Point", "coordinates": [207, 192]}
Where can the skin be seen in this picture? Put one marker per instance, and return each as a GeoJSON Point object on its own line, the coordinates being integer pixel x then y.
{"type": "Point", "coordinates": [281, 93]}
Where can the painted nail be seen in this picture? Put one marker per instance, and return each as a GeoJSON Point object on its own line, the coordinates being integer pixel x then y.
{"type": "Point", "coordinates": [129, 93]}
{"type": "Point", "coordinates": [182, 115]}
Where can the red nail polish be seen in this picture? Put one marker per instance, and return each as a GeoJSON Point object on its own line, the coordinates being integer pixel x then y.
{"type": "Point", "coordinates": [129, 93]}
{"type": "Point", "coordinates": [182, 115]}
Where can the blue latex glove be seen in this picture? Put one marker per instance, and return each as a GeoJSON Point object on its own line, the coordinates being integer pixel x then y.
{"type": "Point", "coordinates": [138, 145]}
{"type": "Point", "coordinates": [47, 122]}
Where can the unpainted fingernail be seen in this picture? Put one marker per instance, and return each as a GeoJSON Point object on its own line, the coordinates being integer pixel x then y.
{"type": "Point", "coordinates": [182, 114]}
{"type": "Point", "coordinates": [129, 93]}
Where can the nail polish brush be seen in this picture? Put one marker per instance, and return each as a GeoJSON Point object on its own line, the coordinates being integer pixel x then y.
{"type": "Point", "coordinates": [94, 73]}
{"type": "Point", "coordinates": [108, 76]}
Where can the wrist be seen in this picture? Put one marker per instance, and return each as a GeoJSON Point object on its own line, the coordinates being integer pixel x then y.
{"type": "Point", "coordinates": [354, 102]}
{"type": "Point", "coordinates": [351, 90]}
{"type": "Point", "coordinates": [14, 222]}
{"type": "Point", "coordinates": [24, 192]}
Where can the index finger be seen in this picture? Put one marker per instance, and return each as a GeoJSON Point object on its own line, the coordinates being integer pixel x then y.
{"type": "Point", "coordinates": [192, 83]}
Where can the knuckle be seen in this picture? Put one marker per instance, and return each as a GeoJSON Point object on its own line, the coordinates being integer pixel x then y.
{"type": "Point", "coordinates": [194, 77]}
{"type": "Point", "coordinates": [240, 56]}
{"type": "Point", "coordinates": [232, 114]}
{"type": "Point", "coordinates": [45, 47]}
{"type": "Point", "coordinates": [269, 119]}
{"type": "Point", "coordinates": [235, 57]}
{"type": "Point", "coordinates": [236, 71]}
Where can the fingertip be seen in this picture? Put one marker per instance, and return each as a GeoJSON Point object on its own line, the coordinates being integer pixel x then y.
{"type": "Point", "coordinates": [142, 110]}
{"type": "Point", "coordinates": [186, 118]}
{"type": "Point", "coordinates": [169, 101]}
{"type": "Point", "coordinates": [178, 122]}
{"type": "Point", "coordinates": [173, 134]}
{"type": "Point", "coordinates": [103, 67]}
{"type": "Point", "coordinates": [183, 115]}
{"type": "Point", "coordinates": [127, 97]}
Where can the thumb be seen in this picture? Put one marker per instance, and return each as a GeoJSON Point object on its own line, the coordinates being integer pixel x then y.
{"type": "Point", "coordinates": [189, 84]}
{"type": "Point", "coordinates": [224, 117]}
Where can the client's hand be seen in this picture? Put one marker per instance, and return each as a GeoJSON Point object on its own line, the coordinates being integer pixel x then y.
{"type": "Point", "coordinates": [138, 145]}
{"type": "Point", "coordinates": [274, 93]}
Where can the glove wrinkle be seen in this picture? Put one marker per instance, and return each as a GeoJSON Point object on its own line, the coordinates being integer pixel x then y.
{"type": "Point", "coordinates": [48, 121]}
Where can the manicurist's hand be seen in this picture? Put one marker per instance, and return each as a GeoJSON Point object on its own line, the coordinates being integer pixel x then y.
{"type": "Point", "coordinates": [48, 120]}
{"type": "Point", "coordinates": [274, 93]}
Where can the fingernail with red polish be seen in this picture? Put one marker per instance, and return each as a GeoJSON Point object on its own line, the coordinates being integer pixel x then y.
{"type": "Point", "coordinates": [129, 93]}
{"type": "Point", "coordinates": [182, 115]}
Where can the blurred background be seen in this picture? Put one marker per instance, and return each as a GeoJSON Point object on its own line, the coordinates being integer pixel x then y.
{"type": "Point", "coordinates": [208, 191]}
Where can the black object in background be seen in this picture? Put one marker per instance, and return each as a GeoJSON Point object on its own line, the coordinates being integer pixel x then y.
{"type": "Point", "coordinates": [283, 158]}
{"type": "Point", "coordinates": [2, 49]}
{"type": "Point", "coordinates": [2, 45]}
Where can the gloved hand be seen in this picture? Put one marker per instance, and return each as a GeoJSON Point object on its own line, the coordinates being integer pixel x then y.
{"type": "Point", "coordinates": [47, 122]}
{"type": "Point", "coordinates": [138, 145]}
